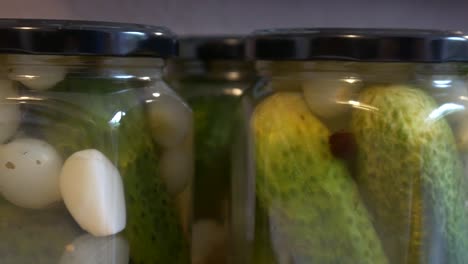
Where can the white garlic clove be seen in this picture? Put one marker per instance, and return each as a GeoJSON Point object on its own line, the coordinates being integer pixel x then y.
{"type": "Point", "coordinates": [93, 193]}
{"type": "Point", "coordinates": [37, 77]}
{"type": "Point", "coordinates": [10, 114]}
{"type": "Point", "coordinates": [29, 173]}
{"type": "Point", "coordinates": [169, 118]}
{"type": "Point", "coordinates": [177, 166]}
{"type": "Point", "coordinates": [97, 250]}
{"type": "Point", "coordinates": [208, 242]}
{"type": "Point", "coordinates": [329, 96]}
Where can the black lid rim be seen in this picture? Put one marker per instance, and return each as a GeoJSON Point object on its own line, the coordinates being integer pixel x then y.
{"type": "Point", "coordinates": [358, 44]}
{"type": "Point", "coordinates": [85, 38]}
{"type": "Point", "coordinates": [212, 47]}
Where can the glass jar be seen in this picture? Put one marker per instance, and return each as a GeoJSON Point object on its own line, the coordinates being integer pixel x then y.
{"type": "Point", "coordinates": [351, 149]}
{"type": "Point", "coordinates": [211, 74]}
{"type": "Point", "coordinates": [95, 154]}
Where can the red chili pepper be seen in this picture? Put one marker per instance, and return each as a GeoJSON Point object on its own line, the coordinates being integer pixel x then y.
{"type": "Point", "coordinates": [342, 144]}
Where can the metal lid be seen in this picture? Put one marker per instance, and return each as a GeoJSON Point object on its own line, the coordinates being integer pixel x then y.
{"type": "Point", "coordinates": [66, 37]}
{"type": "Point", "coordinates": [212, 48]}
{"type": "Point", "coordinates": [379, 45]}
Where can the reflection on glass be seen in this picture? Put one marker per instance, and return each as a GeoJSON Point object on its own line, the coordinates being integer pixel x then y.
{"type": "Point", "coordinates": [444, 110]}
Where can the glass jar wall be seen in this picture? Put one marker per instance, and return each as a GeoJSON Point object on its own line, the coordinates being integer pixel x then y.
{"type": "Point", "coordinates": [92, 143]}
{"type": "Point", "coordinates": [352, 149]}
{"type": "Point", "coordinates": [211, 74]}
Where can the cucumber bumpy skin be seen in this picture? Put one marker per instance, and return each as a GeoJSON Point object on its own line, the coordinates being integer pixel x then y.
{"type": "Point", "coordinates": [311, 196]}
{"type": "Point", "coordinates": [411, 176]}
{"type": "Point", "coordinates": [214, 118]}
{"type": "Point", "coordinates": [108, 115]}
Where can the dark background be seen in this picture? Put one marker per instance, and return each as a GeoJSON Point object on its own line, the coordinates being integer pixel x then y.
{"type": "Point", "coordinates": [215, 16]}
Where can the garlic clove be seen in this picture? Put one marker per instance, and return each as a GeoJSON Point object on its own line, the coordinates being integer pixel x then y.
{"type": "Point", "coordinates": [208, 242]}
{"type": "Point", "coordinates": [169, 118]}
{"type": "Point", "coordinates": [29, 173]}
{"type": "Point", "coordinates": [177, 166]}
{"type": "Point", "coordinates": [92, 190]}
{"type": "Point", "coordinates": [96, 250]}
{"type": "Point", "coordinates": [329, 96]}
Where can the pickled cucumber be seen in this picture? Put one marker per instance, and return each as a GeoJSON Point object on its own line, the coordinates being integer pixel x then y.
{"type": "Point", "coordinates": [214, 118]}
{"type": "Point", "coordinates": [411, 176]}
{"type": "Point", "coordinates": [308, 194]}
{"type": "Point", "coordinates": [108, 116]}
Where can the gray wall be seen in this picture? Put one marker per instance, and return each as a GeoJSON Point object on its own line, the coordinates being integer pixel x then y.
{"type": "Point", "coordinates": [241, 16]}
